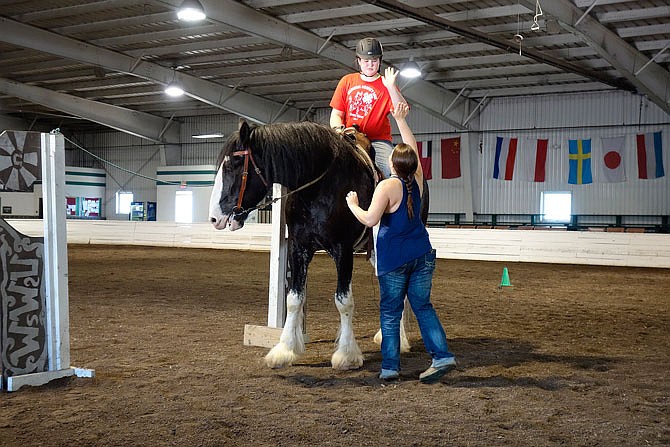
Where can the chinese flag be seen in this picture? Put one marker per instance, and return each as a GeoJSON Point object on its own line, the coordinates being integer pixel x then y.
{"type": "Point", "coordinates": [451, 157]}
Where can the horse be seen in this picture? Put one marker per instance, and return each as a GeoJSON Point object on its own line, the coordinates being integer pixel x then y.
{"type": "Point", "coordinates": [318, 167]}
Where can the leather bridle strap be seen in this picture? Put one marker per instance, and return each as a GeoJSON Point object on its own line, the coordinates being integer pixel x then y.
{"type": "Point", "coordinates": [245, 174]}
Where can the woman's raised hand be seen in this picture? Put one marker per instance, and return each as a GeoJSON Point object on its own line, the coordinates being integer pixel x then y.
{"type": "Point", "coordinates": [400, 111]}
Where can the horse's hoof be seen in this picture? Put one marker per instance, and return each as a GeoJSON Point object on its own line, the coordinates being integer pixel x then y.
{"type": "Point", "coordinates": [280, 356]}
{"type": "Point", "coordinates": [405, 346]}
{"type": "Point", "coordinates": [342, 361]}
{"type": "Point", "coordinates": [378, 337]}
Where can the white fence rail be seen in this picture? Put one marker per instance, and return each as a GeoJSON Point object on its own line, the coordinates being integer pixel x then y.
{"type": "Point", "coordinates": [561, 247]}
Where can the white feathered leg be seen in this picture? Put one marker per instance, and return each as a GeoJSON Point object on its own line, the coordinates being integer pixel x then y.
{"type": "Point", "coordinates": [405, 346]}
{"type": "Point", "coordinates": [291, 342]}
{"type": "Point", "coordinates": [348, 355]}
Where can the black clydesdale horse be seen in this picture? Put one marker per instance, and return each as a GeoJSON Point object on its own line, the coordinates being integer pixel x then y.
{"type": "Point", "coordinates": [318, 167]}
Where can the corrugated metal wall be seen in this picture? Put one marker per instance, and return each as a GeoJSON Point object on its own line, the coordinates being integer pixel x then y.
{"type": "Point", "coordinates": [565, 117]}
{"type": "Point", "coordinates": [130, 163]}
{"type": "Point", "coordinates": [203, 152]}
{"type": "Point", "coordinates": [557, 118]}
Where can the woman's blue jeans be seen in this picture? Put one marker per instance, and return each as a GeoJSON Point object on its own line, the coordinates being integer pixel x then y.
{"type": "Point", "coordinates": [414, 280]}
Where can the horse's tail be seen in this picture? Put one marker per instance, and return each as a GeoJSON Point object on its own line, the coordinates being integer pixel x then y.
{"type": "Point", "coordinates": [425, 202]}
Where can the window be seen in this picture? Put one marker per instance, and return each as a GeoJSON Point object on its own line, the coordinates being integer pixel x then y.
{"type": "Point", "coordinates": [556, 207]}
{"type": "Point", "coordinates": [183, 207]}
{"type": "Point", "coordinates": [123, 200]}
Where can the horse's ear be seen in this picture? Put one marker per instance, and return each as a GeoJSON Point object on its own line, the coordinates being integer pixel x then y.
{"type": "Point", "coordinates": [244, 130]}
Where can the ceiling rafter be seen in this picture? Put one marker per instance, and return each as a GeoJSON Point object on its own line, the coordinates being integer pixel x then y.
{"type": "Point", "coordinates": [653, 80]}
{"type": "Point", "coordinates": [243, 104]}
{"type": "Point", "coordinates": [430, 97]}
{"type": "Point", "coordinates": [497, 42]}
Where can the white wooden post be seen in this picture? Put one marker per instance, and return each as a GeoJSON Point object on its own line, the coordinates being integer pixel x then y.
{"type": "Point", "coordinates": [55, 251]}
{"type": "Point", "coordinates": [278, 262]}
{"type": "Point", "coordinates": [55, 270]}
{"type": "Point", "coordinates": [268, 336]}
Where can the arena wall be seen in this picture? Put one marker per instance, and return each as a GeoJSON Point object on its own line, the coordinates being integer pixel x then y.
{"type": "Point", "coordinates": [546, 246]}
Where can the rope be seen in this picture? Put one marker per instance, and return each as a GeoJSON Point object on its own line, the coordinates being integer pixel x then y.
{"type": "Point", "coordinates": [107, 162]}
{"type": "Point", "coordinates": [264, 204]}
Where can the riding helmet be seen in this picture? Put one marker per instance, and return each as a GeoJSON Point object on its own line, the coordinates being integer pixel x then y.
{"type": "Point", "coordinates": [369, 48]}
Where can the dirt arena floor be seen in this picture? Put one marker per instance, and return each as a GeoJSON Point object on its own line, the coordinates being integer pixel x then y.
{"type": "Point", "coordinates": [568, 355]}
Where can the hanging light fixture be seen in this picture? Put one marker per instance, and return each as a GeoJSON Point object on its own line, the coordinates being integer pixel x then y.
{"type": "Point", "coordinates": [204, 136]}
{"type": "Point", "coordinates": [411, 69]}
{"type": "Point", "coordinates": [174, 89]}
{"type": "Point", "coordinates": [191, 11]}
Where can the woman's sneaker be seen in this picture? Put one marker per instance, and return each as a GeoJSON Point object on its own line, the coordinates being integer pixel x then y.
{"type": "Point", "coordinates": [438, 369]}
{"type": "Point", "coordinates": [389, 374]}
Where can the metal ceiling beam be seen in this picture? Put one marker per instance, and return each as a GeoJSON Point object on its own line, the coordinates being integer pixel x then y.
{"type": "Point", "coordinates": [135, 123]}
{"type": "Point", "coordinates": [425, 95]}
{"type": "Point", "coordinates": [504, 44]}
{"type": "Point", "coordinates": [249, 106]}
{"type": "Point", "coordinates": [653, 81]}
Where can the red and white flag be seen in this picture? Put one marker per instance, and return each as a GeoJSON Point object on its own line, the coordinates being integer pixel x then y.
{"type": "Point", "coordinates": [532, 160]}
{"type": "Point", "coordinates": [650, 155]}
{"type": "Point", "coordinates": [611, 164]}
{"type": "Point", "coordinates": [426, 158]}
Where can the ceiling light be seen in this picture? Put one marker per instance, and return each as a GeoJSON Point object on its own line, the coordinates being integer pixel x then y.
{"type": "Point", "coordinates": [411, 69]}
{"type": "Point", "coordinates": [191, 11]}
{"type": "Point", "coordinates": [208, 135]}
{"type": "Point", "coordinates": [174, 89]}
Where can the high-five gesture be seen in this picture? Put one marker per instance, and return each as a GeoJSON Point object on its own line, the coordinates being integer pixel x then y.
{"type": "Point", "coordinates": [390, 75]}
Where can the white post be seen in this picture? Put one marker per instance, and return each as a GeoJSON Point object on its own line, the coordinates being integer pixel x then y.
{"type": "Point", "coordinates": [268, 336]}
{"type": "Point", "coordinates": [55, 270]}
{"type": "Point", "coordinates": [55, 251]}
{"type": "Point", "coordinates": [278, 252]}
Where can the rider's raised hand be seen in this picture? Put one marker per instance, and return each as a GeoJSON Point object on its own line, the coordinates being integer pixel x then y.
{"type": "Point", "coordinates": [389, 77]}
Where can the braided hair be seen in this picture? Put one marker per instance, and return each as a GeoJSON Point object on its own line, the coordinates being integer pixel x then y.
{"type": "Point", "coordinates": [405, 162]}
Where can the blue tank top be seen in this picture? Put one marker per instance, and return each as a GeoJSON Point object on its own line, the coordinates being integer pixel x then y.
{"type": "Point", "coordinates": [401, 240]}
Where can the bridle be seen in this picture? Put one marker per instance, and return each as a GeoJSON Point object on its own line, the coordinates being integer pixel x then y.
{"type": "Point", "coordinates": [238, 210]}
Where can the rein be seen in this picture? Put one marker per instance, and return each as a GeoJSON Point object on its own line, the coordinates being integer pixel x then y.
{"type": "Point", "coordinates": [238, 210]}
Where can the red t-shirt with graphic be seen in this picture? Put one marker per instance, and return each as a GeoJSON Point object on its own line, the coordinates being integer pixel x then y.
{"type": "Point", "coordinates": [366, 104]}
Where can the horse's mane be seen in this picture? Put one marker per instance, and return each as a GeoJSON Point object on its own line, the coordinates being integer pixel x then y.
{"type": "Point", "coordinates": [301, 150]}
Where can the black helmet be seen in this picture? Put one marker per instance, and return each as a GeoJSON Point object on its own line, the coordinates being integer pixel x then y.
{"type": "Point", "coordinates": [369, 48]}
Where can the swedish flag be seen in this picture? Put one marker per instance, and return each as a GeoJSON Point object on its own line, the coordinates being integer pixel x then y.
{"type": "Point", "coordinates": [579, 154]}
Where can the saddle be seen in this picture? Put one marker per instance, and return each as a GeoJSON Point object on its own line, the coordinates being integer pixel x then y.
{"type": "Point", "coordinates": [365, 150]}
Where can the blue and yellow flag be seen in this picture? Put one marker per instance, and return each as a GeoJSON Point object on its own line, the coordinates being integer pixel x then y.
{"type": "Point", "coordinates": [579, 155]}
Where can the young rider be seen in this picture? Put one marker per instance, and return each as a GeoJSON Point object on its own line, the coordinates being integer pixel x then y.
{"type": "Point", "coordinates": [366, 98]}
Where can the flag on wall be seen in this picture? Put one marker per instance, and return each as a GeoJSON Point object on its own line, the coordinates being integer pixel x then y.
{"type": "Point", "coordinates": [650, 155]}
{"type": "Point", "coordinates": [425, 157]}
{"type": "Point", "coordinates": [532, 160]}
{"type": "Point", "coordinates": [611, 163]}
{"type": "Point", "coordinates": [451, 157]}
{"type": "Point", "coordinates": [579, 156]}
{"type": "Point", "coordinates": [503, 166]}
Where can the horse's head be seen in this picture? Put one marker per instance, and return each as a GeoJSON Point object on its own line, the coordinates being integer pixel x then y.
{"type": "Point", "coordinates": [239, 184]}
